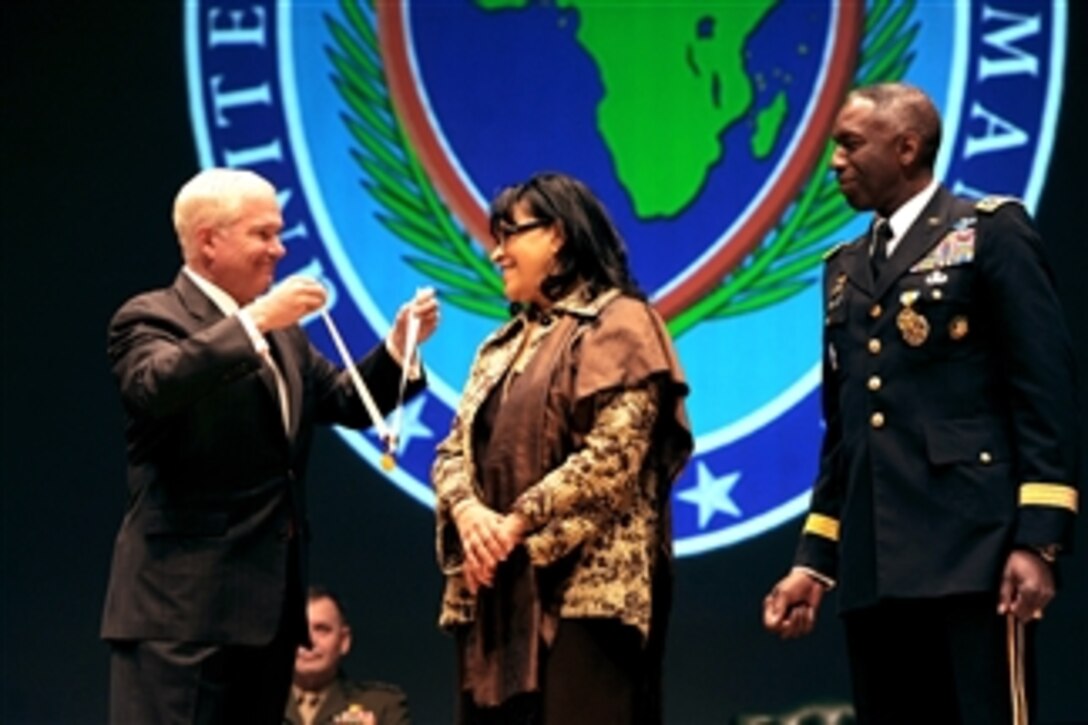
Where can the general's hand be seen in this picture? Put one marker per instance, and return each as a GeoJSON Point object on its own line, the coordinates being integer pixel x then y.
{"type": "Point", "coordinates": [1027, 586]}
{"type": "Point", "coordinates": [424, 306]}
{"type": "Point", "coordinates": [790, 609]}
{"type": "Point", "coordinates": [287, 303]}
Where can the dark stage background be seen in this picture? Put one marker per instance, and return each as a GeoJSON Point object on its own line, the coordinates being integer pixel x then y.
{"type": "Point", "coordinates": [96, 140]}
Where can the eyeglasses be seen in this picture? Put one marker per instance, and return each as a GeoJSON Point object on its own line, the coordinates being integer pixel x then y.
{"type": "Point", "coordinates": [504, 232]}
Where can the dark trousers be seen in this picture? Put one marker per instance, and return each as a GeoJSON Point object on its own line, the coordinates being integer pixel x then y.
{"type": "Point", "coordinates": [939, 661]}
{"type": "Point", "coordinates": [156, 682]}
{"type": "Point", "coordinates": [596, 673]}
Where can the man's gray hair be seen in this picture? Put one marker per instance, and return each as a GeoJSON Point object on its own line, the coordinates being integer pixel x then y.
{"type": "Point", "coordinates": [212, 198]}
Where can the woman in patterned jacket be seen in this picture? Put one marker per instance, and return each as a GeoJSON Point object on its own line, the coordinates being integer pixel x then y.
{"type": "Point", "coordinates": [553, 484]}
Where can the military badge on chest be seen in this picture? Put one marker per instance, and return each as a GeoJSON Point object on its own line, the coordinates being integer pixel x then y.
{"type": "Point", "coordinates": [955, 248]}
{"type": "Point", "coordinates": [837, 292]}
{"type": "Point", "coordinates": [913, 326]}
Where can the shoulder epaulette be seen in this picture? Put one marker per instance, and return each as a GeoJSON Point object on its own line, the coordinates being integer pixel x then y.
{"type": "Point", "coordinates": [990, 204]}
{"type": "Point", "coordinates": [834, 250]}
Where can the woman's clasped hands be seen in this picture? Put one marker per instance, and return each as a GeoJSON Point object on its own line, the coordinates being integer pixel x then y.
{"type": "Point", "coordinates": [487, 538]}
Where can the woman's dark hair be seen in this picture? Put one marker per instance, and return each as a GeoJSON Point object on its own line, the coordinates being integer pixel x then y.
{"type": "Point", "coordinates": [592, 250]}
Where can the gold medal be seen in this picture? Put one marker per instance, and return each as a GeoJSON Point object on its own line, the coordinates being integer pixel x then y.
{"type": "Point", "coordinates": [388, 462]}
{"type": "Point", "coordinates": [913, 326]}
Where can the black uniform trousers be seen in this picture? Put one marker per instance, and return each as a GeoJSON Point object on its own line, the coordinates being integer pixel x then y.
{"type": "Point", "coordinates": [950, 660]}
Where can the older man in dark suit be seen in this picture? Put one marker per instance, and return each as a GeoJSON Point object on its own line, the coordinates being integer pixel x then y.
{"type": "Point", "coordinates": [221, 388]}
{"type": "Point", "coordinates": [947, 483]}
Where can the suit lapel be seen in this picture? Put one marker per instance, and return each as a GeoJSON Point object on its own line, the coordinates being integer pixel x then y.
{"type": "Point", "coordinates": [204, 310]}
{"type": "Point", "coordinates": [199, 305]}
{"type": "Point", "coordinates": [919, 239]}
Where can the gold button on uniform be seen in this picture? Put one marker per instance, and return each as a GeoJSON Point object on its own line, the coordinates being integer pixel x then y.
{"type": "Point", "coordinates": [874, 346]}
{"type": "Point", "coordinates": [985, 457]}
{"type": "Point", "coordinates": [875, 383]}
{"type": "Point", "coordinates": [957, 328]}
{"type": "Point", "coordinates": [875, 311]}
{"type": "Point", "coordinates": [877, 420]}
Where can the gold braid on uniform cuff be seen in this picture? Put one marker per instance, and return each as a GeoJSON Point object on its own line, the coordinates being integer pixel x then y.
{"type": "Point", "coordinates": [822, 525]}
{"type": "Point", "coordinates": [1057, 495]}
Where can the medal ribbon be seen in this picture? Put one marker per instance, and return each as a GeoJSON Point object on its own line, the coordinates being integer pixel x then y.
{"type": "Point", "coordinates": [357, 379]}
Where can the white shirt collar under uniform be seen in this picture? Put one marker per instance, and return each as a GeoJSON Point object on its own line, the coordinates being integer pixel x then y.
{"type": "Point", "coordinates": [904, 217]}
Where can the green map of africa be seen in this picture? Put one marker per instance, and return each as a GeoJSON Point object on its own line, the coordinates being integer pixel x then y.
{"type": "Point", "coordinates": [674, 81]}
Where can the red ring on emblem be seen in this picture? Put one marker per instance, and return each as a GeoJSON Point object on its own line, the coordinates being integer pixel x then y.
{"type": "Point", "coordinates": [414, 116]}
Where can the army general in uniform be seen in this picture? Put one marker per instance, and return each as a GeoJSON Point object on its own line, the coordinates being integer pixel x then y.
{"type": "Point", "coordinates": [947, 478]}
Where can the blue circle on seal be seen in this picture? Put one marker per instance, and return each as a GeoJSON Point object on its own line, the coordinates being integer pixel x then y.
{"type": "Point", "coordinates": [386, 129]}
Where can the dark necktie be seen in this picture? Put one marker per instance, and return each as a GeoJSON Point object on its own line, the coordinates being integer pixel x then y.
{"type": "Point", "coordinates": [279, 383]}
{"type": "Point", "coordinates": [882, 234]}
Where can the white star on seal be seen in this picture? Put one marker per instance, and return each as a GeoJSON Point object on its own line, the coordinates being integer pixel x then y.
{"type": "Point", "coordinates": [411, 425]}
{"type": "Point", "coordinates": [711, 494]}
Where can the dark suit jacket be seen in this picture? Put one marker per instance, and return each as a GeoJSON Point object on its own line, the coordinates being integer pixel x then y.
{"type": "Point", "coordinates": [388, 703]}
{"type": "Point", "coordinates": [216, 485]}
{"type": "Point", "coordinates": [949, 403]}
